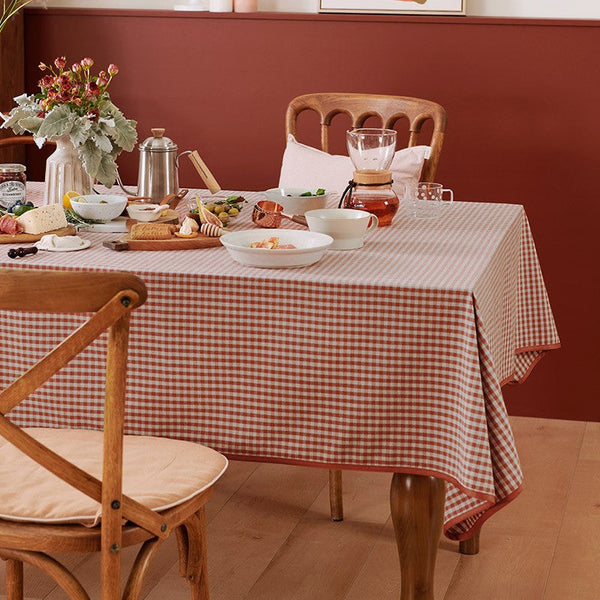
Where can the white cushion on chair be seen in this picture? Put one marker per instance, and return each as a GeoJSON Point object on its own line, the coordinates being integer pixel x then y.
{"type": "Point", "coordinates": [308, 167]}
{"type": "Point", "coordinates": [157, 472]}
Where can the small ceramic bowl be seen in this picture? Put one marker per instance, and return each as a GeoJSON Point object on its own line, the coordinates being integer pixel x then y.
{"type": "Point", "coordinates": [146, 212]}
{"type": "Point", "coordinates": [293, 202]}
{"type": "Point", "coordinates": [98, 207]}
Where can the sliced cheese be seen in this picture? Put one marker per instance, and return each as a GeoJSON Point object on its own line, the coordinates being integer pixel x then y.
{"type": "Point", "coordinates": [42, 219]}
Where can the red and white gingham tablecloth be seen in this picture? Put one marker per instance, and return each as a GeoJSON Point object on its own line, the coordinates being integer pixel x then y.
{"type": "Point", "coordinates": [387, 358]}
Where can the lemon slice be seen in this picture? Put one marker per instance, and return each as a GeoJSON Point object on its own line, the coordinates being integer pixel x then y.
{"type": "Point", "coordinates": [68, 197]}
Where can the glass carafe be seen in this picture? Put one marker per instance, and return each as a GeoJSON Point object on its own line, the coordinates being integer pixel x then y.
{"type": "Point", "coordinates": [372, 151]}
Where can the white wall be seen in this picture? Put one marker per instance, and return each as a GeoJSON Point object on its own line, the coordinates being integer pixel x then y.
{"type": "Point", "coordinates": [564, 9]}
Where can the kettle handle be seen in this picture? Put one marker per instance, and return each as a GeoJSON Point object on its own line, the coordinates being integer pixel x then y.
{"type": "Point", "coordinates": [182, 154]}
{"type": "Point", "coordinates": [123, 187]}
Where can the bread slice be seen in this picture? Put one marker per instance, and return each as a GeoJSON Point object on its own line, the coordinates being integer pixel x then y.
{"type": "Point", "coordinates": [152, 231]}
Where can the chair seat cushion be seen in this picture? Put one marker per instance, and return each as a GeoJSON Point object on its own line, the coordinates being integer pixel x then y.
{"type": "Point", "coordinates": [157, 472]}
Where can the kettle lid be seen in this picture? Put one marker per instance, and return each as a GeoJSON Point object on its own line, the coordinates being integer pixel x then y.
{"type": "Point", "coordinates": [158, 142]}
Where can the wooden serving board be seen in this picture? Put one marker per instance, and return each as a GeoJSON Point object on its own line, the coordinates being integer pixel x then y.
{"type": "Point", "coordinates": [24, 238]}
{"type": "Point", "coordinates": [175, 243]}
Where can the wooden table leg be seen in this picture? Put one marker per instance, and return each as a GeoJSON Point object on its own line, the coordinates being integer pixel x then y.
{"type": "Point", "coordinates": [470, 546]}
{"type": "Point", "coordinates": [336, 503]}
{"type": "Point", "coordinates": [417, 504]}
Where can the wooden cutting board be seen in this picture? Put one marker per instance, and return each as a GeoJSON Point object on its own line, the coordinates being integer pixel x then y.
{"type": "Point", "coordinates": [175, 243]}
{"type": "Point", "coordinates": [24, 238]}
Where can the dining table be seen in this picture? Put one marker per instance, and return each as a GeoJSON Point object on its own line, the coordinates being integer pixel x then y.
{"type": "Point", "coordinates": [390, 357]}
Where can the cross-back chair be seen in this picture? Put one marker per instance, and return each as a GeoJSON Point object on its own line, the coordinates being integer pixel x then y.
{"type": "Point", "coordinates": [389, 110]}
{"type": "Point", "coordinates": [127, 514]}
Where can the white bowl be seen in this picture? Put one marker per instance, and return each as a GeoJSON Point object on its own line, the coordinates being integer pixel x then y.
{"type": "Point", "coordinates": [146, 212]}
{"type": "Point", "coordinates": [98, 207]}
{"type": "Point", "coordinates": [293, 202]}
{"type": "Point", "coordinates": [310, 247]}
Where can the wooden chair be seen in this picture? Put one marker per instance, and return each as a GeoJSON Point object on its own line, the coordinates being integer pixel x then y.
{"type": "Point", "coordinates": [12, 146]}
{"type": "Point", "coordinates": [124, 521]}
{"type": "Point", "coordinates": [389, 110]}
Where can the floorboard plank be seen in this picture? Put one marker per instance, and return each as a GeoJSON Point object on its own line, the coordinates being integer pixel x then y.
{"type": "Point", "coordinates": [576, 564]}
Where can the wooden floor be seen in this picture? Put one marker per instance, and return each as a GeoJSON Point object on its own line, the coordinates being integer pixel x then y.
{"type": "Point", "coordinates": [270, 538]}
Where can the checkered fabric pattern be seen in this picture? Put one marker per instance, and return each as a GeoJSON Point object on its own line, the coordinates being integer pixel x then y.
{"type": "Point", "coordinates": [387, 358]}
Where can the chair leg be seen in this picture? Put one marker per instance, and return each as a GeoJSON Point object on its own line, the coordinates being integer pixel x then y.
{"type": "Point", "coordinates": [14, 579]}
{"type": "Point", "coordinates": [336, 504]}
{"type": "Point", "coordinates": [197, 567]}
{"type": "Point", "coordinates": [138, 572]}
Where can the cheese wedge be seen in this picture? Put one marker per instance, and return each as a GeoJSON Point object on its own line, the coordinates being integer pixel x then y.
{"type": "Point", "coordinates": [43, 219]}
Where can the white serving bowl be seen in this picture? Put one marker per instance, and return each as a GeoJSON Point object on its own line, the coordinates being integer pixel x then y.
{"type": "Point", "coordinates": [98, 207]}
{"type": "Point", "coordinates": [295, 204]}
{"type": "Point", "coordinates": [146, 212]}
{"type": "Point", "coordinates": [310, 247]}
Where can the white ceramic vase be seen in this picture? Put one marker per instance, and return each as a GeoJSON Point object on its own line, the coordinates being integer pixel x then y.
{"type": "Point", "coordinates": [65, 172]}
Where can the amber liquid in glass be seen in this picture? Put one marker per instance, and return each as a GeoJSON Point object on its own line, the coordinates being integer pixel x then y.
{"type": "Point", "coordinates": [383, 206]}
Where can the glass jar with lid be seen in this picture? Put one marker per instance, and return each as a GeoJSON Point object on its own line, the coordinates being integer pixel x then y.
{"type": "Point", "coordinates": [12, 184]}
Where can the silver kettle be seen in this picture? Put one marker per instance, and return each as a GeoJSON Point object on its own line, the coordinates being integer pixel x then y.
{"type": "Point", "coordinates": [159, 162]}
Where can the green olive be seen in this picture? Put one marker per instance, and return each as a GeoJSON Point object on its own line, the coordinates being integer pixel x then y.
{"type": "Point", "coordinates": [211, 207]}
{"type": "Point", "coordinates": [223, 217]}
{"type": "Point", "coordinates": [219, 209]}
{"type": "Point", "coordinates": [233, 211]}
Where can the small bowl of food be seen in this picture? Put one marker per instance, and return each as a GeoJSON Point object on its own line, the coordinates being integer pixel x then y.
{"type": "Point", "coordinates": [296, 201]}
{"type": "Point", "coordinates": [277, 248]}
{"type": "Point", "coordinates": [98, 207]}
{"type": "Point", "coordinates": [146, 213]}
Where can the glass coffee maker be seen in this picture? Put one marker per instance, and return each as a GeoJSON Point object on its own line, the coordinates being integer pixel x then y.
{"type": "Point", "coordinates": [372, 151]}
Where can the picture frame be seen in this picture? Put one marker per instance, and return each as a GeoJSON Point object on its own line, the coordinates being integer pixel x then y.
{"type": "Point", "coordinates": [395, 7]}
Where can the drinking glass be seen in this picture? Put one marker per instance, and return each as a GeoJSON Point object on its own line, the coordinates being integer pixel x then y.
{"type": "Point", "coordinates": [428, 200]}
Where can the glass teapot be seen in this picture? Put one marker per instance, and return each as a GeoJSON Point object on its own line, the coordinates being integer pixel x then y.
{"type": "Point", "coordinates": [372, 151]}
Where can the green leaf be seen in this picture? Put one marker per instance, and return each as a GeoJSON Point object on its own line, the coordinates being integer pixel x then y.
{"type": "Point", "coordinates": [320, 192]}
{"type": "Point", "coordinates": [31, 124]}
{"type": "Point", "coordinates": [91, 156]}
{"type": "Point", "coordinates": [124, 133]}
{"type": "Point", "coordinates": [102, 141]}
{"type": "Point", "coordinates": [107, 170]}
{"type": "Point", "coordinates": [80, 130]}
{"type": "Point", "coordinates": [57, 122]}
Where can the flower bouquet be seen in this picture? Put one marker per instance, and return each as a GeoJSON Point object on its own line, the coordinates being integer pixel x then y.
{"type": "Point", "coordinates": [74, 103]}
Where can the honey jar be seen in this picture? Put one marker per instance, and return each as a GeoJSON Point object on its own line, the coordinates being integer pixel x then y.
{"type": "Point", "coordinates": [12, 184]}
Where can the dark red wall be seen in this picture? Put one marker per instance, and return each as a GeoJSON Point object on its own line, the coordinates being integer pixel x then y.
{"type": "Point", "coordinates": [522, 98]}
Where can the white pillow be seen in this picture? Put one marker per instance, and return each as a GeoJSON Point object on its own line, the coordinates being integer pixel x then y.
{"type": "Point", "coordinates": [307, 167]}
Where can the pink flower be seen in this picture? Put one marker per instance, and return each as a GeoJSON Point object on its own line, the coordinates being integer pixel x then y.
{"type": "Point", "coordinates": [65, 85]}
{"type": "Point", "coordinates": [41, 114]}
{"type": "Point", "coordinates": [101, 81]}
{"type": "Point", "coordinates": [42, 66]}
{"type": "Point", "coordinates": [87, 62]}
{"type": "Point", "coordinates": [77, 101]}
{"type": "Point", "coordinates": [60, 62]}
{"type": "Point", "coordinates": [46, 81]}
{"type": "Point", "coordinates": [113, 69]}
{"type": "Point", "coordinates": [76, 67]}
{"type": "Point", "coordinates": [93, 114]}
{"type": "Point", "coordinates": [92, 89]}
{"type": "Point", "coordinates": [64, 78]}
{"type": "Point", "coordinates": [65, 96]}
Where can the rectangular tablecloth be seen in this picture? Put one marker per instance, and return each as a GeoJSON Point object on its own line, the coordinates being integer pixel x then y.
{"type": "Point", "coordinates": [387, 358]}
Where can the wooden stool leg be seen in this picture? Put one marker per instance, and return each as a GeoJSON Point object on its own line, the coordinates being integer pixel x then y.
{"type": "Point", "coordinates": [417, 504]}
{"type": "Point", "coordinates": [14, 579]}
{"type": "Point", "coordinates": [470, 546]}
{"type": "Point", "coordinates": [336, 504]}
